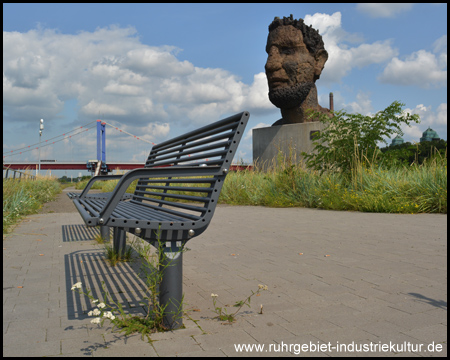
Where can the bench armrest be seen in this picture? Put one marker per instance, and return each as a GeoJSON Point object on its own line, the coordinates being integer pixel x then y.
{"type": "Point", "coordinates": [175, 171]}
{"type": "Point", "coordinates": [94, 179]}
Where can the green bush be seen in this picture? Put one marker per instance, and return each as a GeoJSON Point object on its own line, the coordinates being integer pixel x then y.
{"type": "Point", "coordinates": [349, 138]}
{"type": "Point", "coordinates": [408, 153]}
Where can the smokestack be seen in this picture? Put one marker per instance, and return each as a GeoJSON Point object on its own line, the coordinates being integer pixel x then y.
{"type": "Point", "coordinates": [331, 102]}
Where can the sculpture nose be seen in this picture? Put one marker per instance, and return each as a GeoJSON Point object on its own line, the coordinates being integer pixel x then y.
{"type": "Point", "coordinates": [273, 60]}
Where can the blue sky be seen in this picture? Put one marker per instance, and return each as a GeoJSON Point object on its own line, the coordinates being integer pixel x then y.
{"type": "Point", "coordinates": [162, 69]}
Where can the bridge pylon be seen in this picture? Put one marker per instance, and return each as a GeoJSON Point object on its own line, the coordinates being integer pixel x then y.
{"type": "Point", "coordinates": [101, 167]}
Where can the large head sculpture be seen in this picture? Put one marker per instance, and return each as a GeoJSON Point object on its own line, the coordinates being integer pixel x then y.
{"type": "Point", "coordinates": [296, 57]}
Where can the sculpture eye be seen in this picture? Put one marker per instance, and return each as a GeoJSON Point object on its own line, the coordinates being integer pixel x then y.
{"type": "Point", "coordinates": [287, 50]}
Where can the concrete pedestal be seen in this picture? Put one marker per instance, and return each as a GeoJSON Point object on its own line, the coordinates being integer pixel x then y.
{"type": "Point", "coordinates": [290, 140]}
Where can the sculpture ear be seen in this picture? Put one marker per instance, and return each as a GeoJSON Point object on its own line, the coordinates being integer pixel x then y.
{"type": "Point", "coordinates": [320, 58]}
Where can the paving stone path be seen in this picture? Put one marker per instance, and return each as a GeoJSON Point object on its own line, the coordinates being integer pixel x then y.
{"type": "Point", "coordinates": [338, 282]}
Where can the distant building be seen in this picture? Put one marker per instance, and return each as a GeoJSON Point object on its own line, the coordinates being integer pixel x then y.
{"type": "Point", "coordinates": [397, 141]}
{"type": "Point", "coordinates": [429, 135]}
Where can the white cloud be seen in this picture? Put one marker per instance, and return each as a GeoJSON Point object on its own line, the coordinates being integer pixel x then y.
{"type": "Point", "coordinates": [159, 62]}
{"type": "Point", "coordinates": [362, 105]}
{"type": "Point", "coordinates": [113, 76]}
{"type": "Point", "coordinates": [441, 117]}
{"type": "Point", "coordinates": [440, 45]}
{"type": "Point", "coordinates": [384, 10]}
{"type": "Point", "coordinates": [341, 57]}
{"type": "Point", "coordinates": [123, 89]}
{"type": "Point", "coordinates": [108, 110]}
{"type": "Point", "coordinates": [37, 66]}
{"type": "Point", "coordinates": [249, 133]}
{"type": "Point", "coordinates": [421, 68]}
{"type": "Point", "coordinates": [437, 120]}
{"type": "Point", "coordinates": [117, 141]}
{"type": "Point", "coordinates": [257, 97]}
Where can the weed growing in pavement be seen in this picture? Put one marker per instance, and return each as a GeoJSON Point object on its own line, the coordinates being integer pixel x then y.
{"type": "Point", "coordinates": [152, 269]}
{"type": "Point", "coordinates": [222, 312]}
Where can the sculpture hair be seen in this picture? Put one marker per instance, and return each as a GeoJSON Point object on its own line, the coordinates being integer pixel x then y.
{"type": "Point", "coordinates": [311, 37]}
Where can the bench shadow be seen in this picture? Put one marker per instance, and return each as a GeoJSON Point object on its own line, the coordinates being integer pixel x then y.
{"type": "Point", "coordinates": [71, 233]}
{"type": "Point", "coordinates": [437, 303]}
{"type": "Point", "coordinates": [124, 283]}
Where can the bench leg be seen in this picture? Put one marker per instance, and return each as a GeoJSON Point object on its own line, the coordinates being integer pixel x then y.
{"type": "Point", "coordinates": [171, 287]}
{"type": "Point", "coordinates": [119, 241]}
{"type": "Point", "coordinates": [104, 233]}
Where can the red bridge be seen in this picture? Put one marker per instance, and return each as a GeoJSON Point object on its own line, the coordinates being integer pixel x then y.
{"type": "Point", "coordinates": [81, 165]}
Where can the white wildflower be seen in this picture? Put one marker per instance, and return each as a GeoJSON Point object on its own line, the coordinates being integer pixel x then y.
{"type": "Point", "coordinates": [95, 301]}
{"type": "Point", "coordinates": [76, 286]}
{"type": "Point", "coordinates": [109, 315]}
{"type": "Point", "coordinates": [101, 305]}
{"type": "Point", "coordinates": [96, 312]}
{"type": "Point", "coordinates": [95, 321]}
{"type": "Point", "coordinates": [214, 295]}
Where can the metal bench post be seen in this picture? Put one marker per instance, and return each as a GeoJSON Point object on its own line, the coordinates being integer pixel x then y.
{"type": "Point", "coordinates": [171, 287]}
{"type": "Point", "coordinates": [119, 240]}
{"type": "Point", "coordinates": [104, 233]}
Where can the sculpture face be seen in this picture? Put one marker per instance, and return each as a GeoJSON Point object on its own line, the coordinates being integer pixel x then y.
{"type": "Point", "coordinates": [290, 68]}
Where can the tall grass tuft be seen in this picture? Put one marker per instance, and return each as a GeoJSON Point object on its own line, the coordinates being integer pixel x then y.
{"type": "Point", "coordinates": [25, 197]}
{"type": "Point", "coordinates": [369, 188]}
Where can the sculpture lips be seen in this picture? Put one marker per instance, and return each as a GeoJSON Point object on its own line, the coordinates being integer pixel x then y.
{"type": "Point", "coordinates": [275, 82]}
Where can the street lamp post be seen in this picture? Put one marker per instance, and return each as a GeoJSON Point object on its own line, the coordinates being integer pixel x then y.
{"type": "Point", "coordinates": [41, 127]}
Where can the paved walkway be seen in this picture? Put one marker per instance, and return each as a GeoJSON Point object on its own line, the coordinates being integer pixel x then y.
{"type": "Point", "coordinates": [337, 280]}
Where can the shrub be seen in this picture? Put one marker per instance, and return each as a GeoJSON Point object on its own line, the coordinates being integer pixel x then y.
{"type": "Point", "coordinates": [348, 138]}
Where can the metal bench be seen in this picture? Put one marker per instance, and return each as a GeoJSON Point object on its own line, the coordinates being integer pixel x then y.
{"type": "Point", "coordinates": [174, 200]}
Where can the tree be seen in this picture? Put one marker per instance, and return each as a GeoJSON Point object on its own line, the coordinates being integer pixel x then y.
{"type": "Point", "coordinates": [347, 138]}
{"type": "Point", "coordinates": [408, 153]}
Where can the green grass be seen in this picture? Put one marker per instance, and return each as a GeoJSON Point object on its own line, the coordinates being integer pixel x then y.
{"type": "Point", "coordinates": [105, 186]}
{"type": "Point", "coordinates": [369, 188]}
{"type": "Point", "coordinates": [25, 197]}
{"type": "Point", "coordinates": [412, 189]}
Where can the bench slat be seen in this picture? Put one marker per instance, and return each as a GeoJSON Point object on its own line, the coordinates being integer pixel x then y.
{"type": "Point", "coordinates": [187, 150]}
{"type": "Point", "coordinates": [152, 214]}
{"type": "Point", "coordinates": [194, 135]}
{"type": "Point", "coordinates": [203, 199]}
{"type": "Point", "coordinates": [192, 144]}
{"type": "Point", "coordinates": [170, 203]}
{"type": "Point", "coordinates": [178, 188]}
{"type": "Point", "coordinates": [87, 204]}
{"type": "Point", "coordinates": [86, 216]}
{"type": "Point", "coordinates": [176, 160]}
{"type": "Point", "coordinates": [127, 212]}
{"type": "Point", "coordinates": [179, 180]}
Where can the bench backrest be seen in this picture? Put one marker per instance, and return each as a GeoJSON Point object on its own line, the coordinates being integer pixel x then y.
{"type": "Point", "coordinates": [192, 197]}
